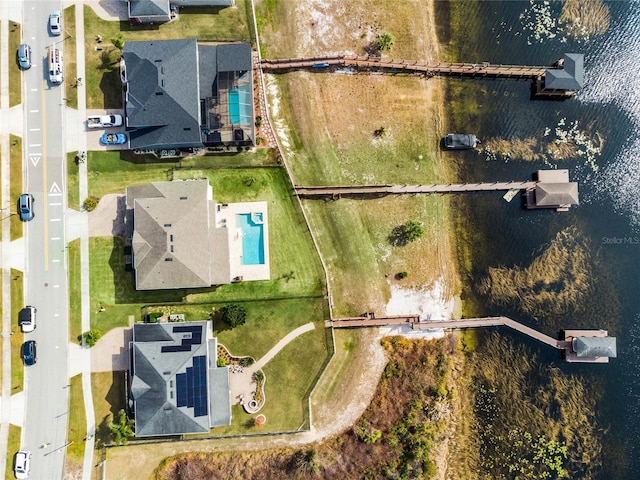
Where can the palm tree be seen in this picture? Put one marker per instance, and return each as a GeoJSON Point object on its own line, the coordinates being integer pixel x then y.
{"type": "Point", "coordinates": [123, 430]}
{"type": "Point", "coordinates": [383, 42]}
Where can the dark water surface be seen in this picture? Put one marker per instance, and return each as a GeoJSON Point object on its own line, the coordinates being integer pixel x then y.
{"type": "Point", "coordinates": [609, 212]}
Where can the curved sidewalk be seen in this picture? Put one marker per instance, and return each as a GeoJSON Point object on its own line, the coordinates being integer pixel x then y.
{"type": "Point", "coordinates": [241, 383]}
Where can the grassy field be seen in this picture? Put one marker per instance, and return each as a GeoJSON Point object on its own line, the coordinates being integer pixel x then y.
{"type": "Point", "coordinates": [77, 428]}
{"type": "Point", "coordinates": [109, 397]}
{"type": "Point", "coordinates": [13, 445]}
{"type": "Point", "coordinates": [15, 188]}
{"type": "Point", "coordinates": [70, 64]}
{"type": "Point", "coordinates": [102, 66]}
{"type": "Point", "coordinates": [73, 182]}
{"type": "Point", "coordinates": [75, 307]}
{"type": "Point", "coordinates": [17, 337]}
{"type": "Point", "coordinates": [15, 74]}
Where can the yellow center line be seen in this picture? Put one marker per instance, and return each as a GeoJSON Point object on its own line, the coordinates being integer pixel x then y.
{"type": "Point", "coordinates": [44, 179]}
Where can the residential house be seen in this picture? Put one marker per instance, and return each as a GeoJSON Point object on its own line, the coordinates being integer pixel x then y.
{"type": "Point", "coordinates": [175, 386]}
{"type": "Point", "coordinates": [179, 94]}
{"type": "Point", "coordinates": [162, 11]}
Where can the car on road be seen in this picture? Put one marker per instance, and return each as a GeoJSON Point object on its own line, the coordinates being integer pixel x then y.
{"type": "Point", "coordinates": [22, 464]}
{"type": "Point", "coordinates": [55, 23]}
{"type": "Point", "coordinates": [24, 56]}
{"type": "Point", "coordinates": [29, 355]}
{"type": "Point", "coordinates": [113, 138]}
{"type": "Point", "coordinates": [27, 319]}
{"type": "Point", "coordinates": [25, 207]}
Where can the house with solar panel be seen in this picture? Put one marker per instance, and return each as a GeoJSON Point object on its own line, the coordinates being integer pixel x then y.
{"type": "Point", "coordinates": [175, 385]}
{"type": "Point", "coordinates": [552, 190]}
{"type": "Point", "coordinates": [565, 79]}
{"type": "Point", "coordinates": [182, 96]}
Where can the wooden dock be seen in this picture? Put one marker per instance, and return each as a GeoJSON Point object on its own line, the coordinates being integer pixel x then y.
{"type": "Point", "coordinates": [370, 320]}
{"type": "Point", "coordinates": [337, 191]}
{"type": "Point", "coordinates": [482, 69]}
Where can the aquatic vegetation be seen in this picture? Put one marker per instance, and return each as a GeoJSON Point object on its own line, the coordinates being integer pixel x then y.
{"type": "Point", "coordinates": [537, 421]}
{"type": "Point", "coordinates": [583, 19]}
{"type": "Point", "coordinates": [556, 283]}
{"type": "Point", "coordinates": [580, 19]}
{"type": "Point", "coordinates": [569, 141]}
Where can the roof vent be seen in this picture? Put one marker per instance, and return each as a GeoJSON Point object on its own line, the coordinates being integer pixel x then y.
{"type": "Point", "coordinates": [183, 198]}
{"type": "Point", "coordinates": [168, 259]}
{"type": "Point", "coordinates": [159, 93]}
{"type": "Point", "coordinates": [167, 224]}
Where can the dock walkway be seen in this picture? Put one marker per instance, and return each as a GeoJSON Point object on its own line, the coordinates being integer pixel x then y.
{"type": "Point", "coordinates": [483, 69]}
{"type": "Point", "coordinates": [340, 190]}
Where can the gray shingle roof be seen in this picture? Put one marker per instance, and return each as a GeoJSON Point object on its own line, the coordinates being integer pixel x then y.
{"type": "Point", "coordinates": [551, 194]}
{"type": "Point", "coordinates": [234, 57]}
{"type": "Point", "coordinates": [162, 103]}
{"type": "Point", "coordinates": [571, 77]}
{"type": "Point", "coordinates": [153, 379]}
{"type": "Point", "coordinates": [595, 346]}
{"type": "Point", "coordinates": [141, 8]}
{"type": "Point", "coordinates": [171, 246]}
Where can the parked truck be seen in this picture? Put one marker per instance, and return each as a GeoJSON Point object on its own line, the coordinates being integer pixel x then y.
{"type": "Point", "coordinates": [104, 121]}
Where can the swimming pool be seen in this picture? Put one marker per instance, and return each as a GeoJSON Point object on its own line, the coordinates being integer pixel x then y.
{"type": "Point", "coordinates": [239, 105]}
{"type": "Point", "coordinates": [252, 240]}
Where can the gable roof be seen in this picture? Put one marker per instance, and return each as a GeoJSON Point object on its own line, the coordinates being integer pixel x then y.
{"type": "Point", "coordinates": [171, 244]}
{"type": "Point", "coordinates": [170, 386]}
{"type": "Point", "coordinates": [149, 8]}
{"type": "Point", "coordinates": [162, 102]}
{"type": "Point", "coordinates": [550, 194]}
{"type": "Point", "coordinates": [570, 77]}
{"type": "Point", "coordinates": [594, 346]}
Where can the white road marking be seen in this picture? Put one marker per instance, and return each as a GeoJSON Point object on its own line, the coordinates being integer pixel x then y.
{"type": "Point", "coordinates": [55, 188]}
{"type": "Point", "coordinates": [54, 204]}
{"type": "Point", "coordinates": [34, 89]}
{"type": "Point", "coordinates": [34, 129]}
{"type": "Point", "coordinates": [56, 286]}
{"type": "Point", "coordinates": [55, 238]}
{"type": "Point", "coordinates": [34, 111]}
{"type": "Point", "coordinates": [35, 144]}
{"type": "Point", "coordinates": [34, 159]}
{"type": "Point", "coordinates": [55, 220]}
{"type": "Point", "coordinates": [55, 194]}
{"type": "Point", "coordinates": [56, 261]}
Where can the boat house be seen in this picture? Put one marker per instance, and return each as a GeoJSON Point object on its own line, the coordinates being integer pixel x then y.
{"type": "Point", "coordinates": [552, 190]}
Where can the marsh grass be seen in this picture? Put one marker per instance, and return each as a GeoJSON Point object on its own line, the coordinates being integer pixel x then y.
{"type": "Point", "coordinates": [556, 282]}
{"type": "Point", "coordinates": [583, 19]}
{"type": "Point", "coordinates": [534, 402]}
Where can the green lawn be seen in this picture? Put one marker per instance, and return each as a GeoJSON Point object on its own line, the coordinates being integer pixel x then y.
{"type": "Point", "coordinates": [70, 64]}
{"type": "Point", "coordinates": [102, 66]}
{"type": "Point", "coordinates": [13, 445]}
{"type": "Point", "coordinates": [15, 74]}
{"type": "Point", "coordinates": [73, 182]}
{"type": "Point", "coordinates": [75, 306]}
{"type": "Point", "coordinates": [108, 391]}
{"type": "Point", "coordinates": [15, 190]}
{"type": "Point", "coordinates": [17, 337]}
{"type": "Point", "coordinates": [77, 427]}
{"type": "Point", "coordinates": [108, 173]}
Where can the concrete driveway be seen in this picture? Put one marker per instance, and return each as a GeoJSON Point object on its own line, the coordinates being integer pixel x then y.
{"type": "Point", "coordinates": [109, 219]}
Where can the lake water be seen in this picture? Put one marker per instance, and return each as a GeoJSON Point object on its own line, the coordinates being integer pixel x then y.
{"type": "Point", "coordinates": [511, 32]}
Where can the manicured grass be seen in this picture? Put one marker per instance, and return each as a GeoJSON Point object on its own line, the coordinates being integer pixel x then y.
{"type": "Point", "coordinates": [75, 306]}
{"type": "Point", "coordinates": [73, 182]}
{"type": "Point", "coordinates": [15, 74]}
{"type": "Point", "coordinates": [15, 190]}
{"type": "Point", "coordinates": [108, 390]}
{"type": "Point", "coordinates": [113, 288]}
{"type": "Point", "coordinates": [107, 173]}
{"type": "Point", "coordinates": [13, 445]}
{"type": "Point", "coordinates": [77, 427]}
{"type": "Point", "coordinates": [17, 337]}
{"type": "Point", "coordinates": [102, 66]}
{"type": "Point", "coordinates": [295, 266]}
{"type": "Point", "coordinates": [70, 64]}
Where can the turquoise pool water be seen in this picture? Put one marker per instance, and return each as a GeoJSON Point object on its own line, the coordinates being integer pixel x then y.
{"type": "Point", "coordinates": [239, 105]}
{"type": "Point", "coordinates": [252, 240]}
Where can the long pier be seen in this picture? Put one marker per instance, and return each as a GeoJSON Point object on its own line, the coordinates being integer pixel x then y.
{"type": "Point", "coordinates": [336, 191]}
{"type": "Point", "coordinates": [483, 69]}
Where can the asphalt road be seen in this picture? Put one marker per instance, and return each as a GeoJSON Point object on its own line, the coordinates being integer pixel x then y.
{"type": "Point", "coordinates": [46, 410]}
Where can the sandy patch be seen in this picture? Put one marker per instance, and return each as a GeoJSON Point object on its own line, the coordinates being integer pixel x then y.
{"type": "Point", "coordinates": [429, 303]}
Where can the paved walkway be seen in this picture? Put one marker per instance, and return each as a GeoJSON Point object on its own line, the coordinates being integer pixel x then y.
{"type": "Point", "coordinates": [241, 383]}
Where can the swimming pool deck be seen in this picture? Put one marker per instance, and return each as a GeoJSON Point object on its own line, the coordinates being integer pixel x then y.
{"type": "Point", "coordinates": [225, 217]}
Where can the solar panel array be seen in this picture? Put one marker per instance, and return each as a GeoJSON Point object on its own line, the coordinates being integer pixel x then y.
{"type": "Point", "coordinates": [185, 345]}
{"type": "Point", "coordinates": [191, 387]}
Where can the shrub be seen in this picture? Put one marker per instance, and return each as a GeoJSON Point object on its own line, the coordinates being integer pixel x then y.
{"type": "Point", "coordinates": [234, 315]}
{"type": "Point", "coordinates": [91, 203]}
{"type": "Point", "coordinates": [402, 275]}
{"type": "Point", "coordinates": [221, 362]}
{"type": "Point", "coordinates": [246, 361]}
{"type": "Point", "coordinates": [258, 121]}
{"type": "Point", "coordinates": [405, 233]}
{"type": "Point", "coordinates": [92, 336]}
{"type": "Point", "coordinates": [258, 376]}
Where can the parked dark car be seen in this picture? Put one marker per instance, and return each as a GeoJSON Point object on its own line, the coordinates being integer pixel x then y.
{"type": "Point", "coordinates": [29, 356]}
{"type": "Point", "coordinates": [25, 207]}
{"type": "Point", "coordinates": [24, 56]}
